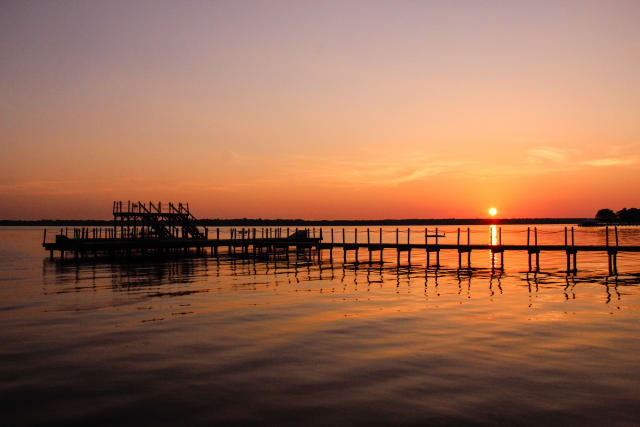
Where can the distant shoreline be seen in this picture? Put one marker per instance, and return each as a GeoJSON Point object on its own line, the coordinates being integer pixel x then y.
{"type": "Point", "coordinates": [247, 222]}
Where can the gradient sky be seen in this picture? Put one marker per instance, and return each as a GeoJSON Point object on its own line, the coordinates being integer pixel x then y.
{"type": "Point", "coordinates": [320, 109]}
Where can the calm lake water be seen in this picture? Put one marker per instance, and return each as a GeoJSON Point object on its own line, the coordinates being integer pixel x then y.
{"type": "Point", "coordinates": [198, 341]}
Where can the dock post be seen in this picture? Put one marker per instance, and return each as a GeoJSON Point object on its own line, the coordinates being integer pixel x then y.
{"type": "Point", "coordinates": [501, 250]}
{"type": "Point", "coordinates": [459, 253]}
{"type": "Point", "coordinates": [575, 253]}
{"type": "Point", "coordinates": [426, 244]}
{"type": "Point", "coordinates": [610, 262]}
{"type": "Point", "coordinates": [381, 248]}
{"type": "Point", "coordinates": [344, 248]}
{"type": "Point", "coordinates": [331, 248]}
{"type": "Point", "coordinates": [469, 247]}
{"type": "Point", "coordinates": [493, 254]}
{"type": "Point", "coordinates": [369, 245]}
{"type": "Point", "coordinates": [566, 248]}
{"type": "Point", "coordinates": [408, 246]}
{"type": "Point", "coordinates": [397, 246]}
{"type": "Point", "coordinates": [528, 248]}
{"type": "Point", "coordinates": [355, 232]}
{"type": "Point", "coordinates": [535, 232]}
{"type": "Point", "coordinates": [615, 254]}
{"type": "Point", "coordinates": [437, 251]}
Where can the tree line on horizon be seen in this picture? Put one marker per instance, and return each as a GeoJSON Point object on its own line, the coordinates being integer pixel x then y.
{"type": "Point", "coordinates": [252, 222]}
{"type": "Point", "coordinates": [623, 216]}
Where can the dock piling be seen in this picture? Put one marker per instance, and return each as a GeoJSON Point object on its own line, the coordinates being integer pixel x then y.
{"type": "Point", "coordinates": [469, 247]}
{"type": "Point", "coordinates": [369, 245]}
{"type": "Point", "coordinates": [397, 246]}
{"type": "Point", "coordinates": [409, 246]}
{"type": "Point", "coordinates": [615, 254]}
{"type": "Point", "coordinates": [459, 252]}
{"type": "Point", "coordinates": [437, 251]}
{"type": "Point", "coordinates": [426, 244]}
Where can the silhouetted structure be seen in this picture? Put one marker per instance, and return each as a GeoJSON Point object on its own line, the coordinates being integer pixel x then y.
{"type": "Point", "coordinates": [167, 231]}
{"type": "Point", "coordinates": [142, 220]}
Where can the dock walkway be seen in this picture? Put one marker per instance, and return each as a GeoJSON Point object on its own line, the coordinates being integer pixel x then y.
{"type": "Point", "coordinates": [143, 230]}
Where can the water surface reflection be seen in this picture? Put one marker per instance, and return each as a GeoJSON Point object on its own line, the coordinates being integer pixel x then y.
{"type": "Point", "coordinates": [236, 341]}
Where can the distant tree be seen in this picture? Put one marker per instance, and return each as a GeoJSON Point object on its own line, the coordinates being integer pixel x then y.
{"type": "Point", "coordinates": [606, 215]}
{"type": "Point", "coordinates": [629, 215]}
{"type": "Point", "coordinates": [622, 215]}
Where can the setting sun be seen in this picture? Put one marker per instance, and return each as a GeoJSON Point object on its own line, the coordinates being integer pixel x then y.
{"type": "Point", "coordinates": [493, 211]}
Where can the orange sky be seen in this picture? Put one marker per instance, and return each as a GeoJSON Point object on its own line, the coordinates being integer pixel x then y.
{"type": "Point", "coordinates": [320, 109]}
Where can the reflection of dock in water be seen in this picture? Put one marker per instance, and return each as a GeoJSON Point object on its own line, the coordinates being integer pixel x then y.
{"type": "Point", "coordinates": [183, 277]}
{"type": "Point", "coordinates": [156, 230]}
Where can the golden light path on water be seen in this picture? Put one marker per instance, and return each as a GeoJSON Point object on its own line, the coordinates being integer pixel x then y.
{"type": "Point", "coordinates": [230, 340]}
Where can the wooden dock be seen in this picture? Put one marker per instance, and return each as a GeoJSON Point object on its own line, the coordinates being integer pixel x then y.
{"type": "Point", "coordinates": [151, 230]}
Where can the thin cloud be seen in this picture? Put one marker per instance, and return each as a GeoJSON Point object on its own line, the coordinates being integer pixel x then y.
{"type": "Point", "coordinates": [48, 187]}
{"type": "Point", "coordinates": [610, 161]}
{"type": "Point", "coordinates": [389, 174]}
{"type": "Point", "coordinates": [355, 173]}
{"type": "Point", "coordinates": [547, 154]}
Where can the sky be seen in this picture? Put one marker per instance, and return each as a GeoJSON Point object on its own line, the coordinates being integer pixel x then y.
{"type": "Point", "coordinates": [320, 109]}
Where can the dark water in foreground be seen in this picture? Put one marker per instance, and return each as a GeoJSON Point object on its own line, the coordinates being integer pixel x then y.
{"type": "Point", "coordinates": [204, 341]}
